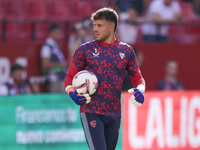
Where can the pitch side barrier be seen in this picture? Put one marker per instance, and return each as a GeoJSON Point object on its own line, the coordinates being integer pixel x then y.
{"type": "Point", "coordinates": [41, 121]}
{"type": "Point", "coordinates": [167, 120]}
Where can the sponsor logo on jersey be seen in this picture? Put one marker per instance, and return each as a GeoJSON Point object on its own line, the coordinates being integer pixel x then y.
{"type": "Point", "coordinates": [93, 123]}
{"type": "Point", "coordinates": [121, 55]}
{"type": "Point", "coordinates": [95, 54]}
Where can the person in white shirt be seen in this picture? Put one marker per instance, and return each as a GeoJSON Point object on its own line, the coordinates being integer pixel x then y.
{"type": "Point", "coordinates": [159, 15]}
{"type": "Point", "coordinates": [53, 63]}
{"type": "Point", "coordinates": [84, 33]}
{"type": "Point", "coordinates": [128, 25]}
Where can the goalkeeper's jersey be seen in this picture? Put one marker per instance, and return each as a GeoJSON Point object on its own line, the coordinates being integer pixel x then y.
{"type": "Point", "coordinates": [109, 63]}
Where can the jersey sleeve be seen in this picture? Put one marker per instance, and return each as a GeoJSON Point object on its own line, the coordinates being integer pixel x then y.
{"type": "Point", "coordinates": [134, 71]}
{"type": "Point", "coordinates": [177, 7]}
{"type": "Point", "coordinates": [77, 64]}
{"type": "Point", "coordinates": [45, 52]}
{"type": "Point", "coordinates": [3, 90]}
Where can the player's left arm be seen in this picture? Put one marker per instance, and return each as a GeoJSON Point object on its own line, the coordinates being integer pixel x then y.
{"type": "Point", "coordinates": [138, 81]}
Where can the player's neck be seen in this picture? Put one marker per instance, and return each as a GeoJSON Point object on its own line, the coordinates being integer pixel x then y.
{"type": "Point", "coordinates": [110, 40]}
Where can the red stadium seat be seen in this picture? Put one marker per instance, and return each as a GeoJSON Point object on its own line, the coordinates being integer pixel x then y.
{"type": "Point", "coordinates": [96, 5]}
{"type": "Point", "coordinates": [25, 32]}
{"type": "Point", "coordinates": [139, 35]}
{"type": "Point", "coordinates": [193, 32]}
{"type": "Point", "coordinates": [1, 10]}
{"type": "Point", "coordinates": [190, 39]}
{"type": "Point", "coordinates": [176, 32]}
{"type": "Point", "coordinates": [193, 29]}
{"type": "Point", "coordinates": [179, 34]}
{"type": "Point", "coordinates": [35, 10]}
{"type": "Point", "coordinates": [81, 9]}
{"type": "Point", "coordinates": [41, 32]}
{"type": "Point", "coordinates": [63, 29]}
{"type": "Point", "coordinates": [18, 32]}
{"type": "Point", "coordinates": [0, 32]}
{"type": "Point", "coordinates": [58, 10]}
{"type": "Point", "coordinates": [187, 11]}
{"type": "Point", "coordinates": [13, 10]}
{"type": "Point", "coordinates": [12, 32]}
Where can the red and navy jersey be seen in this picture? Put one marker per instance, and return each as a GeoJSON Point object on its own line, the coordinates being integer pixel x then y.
{"type": "Point", "coordinates": [109, 63]}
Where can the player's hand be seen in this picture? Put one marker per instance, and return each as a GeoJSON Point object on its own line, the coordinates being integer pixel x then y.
{"type": "Point", "coordinates": [77, 98]}
{"type": "Point", "coordinates": [138, 96]}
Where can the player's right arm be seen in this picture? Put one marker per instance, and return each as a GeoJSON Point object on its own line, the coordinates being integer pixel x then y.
{"type": "Point", "coordinates": [77, 64]}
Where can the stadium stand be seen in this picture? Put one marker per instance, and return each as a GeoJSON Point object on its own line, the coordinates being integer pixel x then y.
{"type": "Point", "coordinates": [77, 9]}
{"type": "Point", "coordinates": [25, 32]}
{"type": "Point", "coordinates": [13, 10]}
{"type": "Point", "coordinates": [1, 12]}
{"type": "Point", "coordinates": [35, 10]}
{"type": "Point", "coordinates": [41, 32]}
{"type": "Point", "coordinates": [175, 32]}
{"type": "Point", "coordinates": [187, 11]}
{"type": "Point", "coordinates": [29, 19]}
{"type": "Point", "coordinates": [189, 30]}
{"type": "Point", "coordinates": [58, 10]}
{"type": "Point", "coordinates": [0, 32]}
{"type": "Point", "coordinates": [12, 33]}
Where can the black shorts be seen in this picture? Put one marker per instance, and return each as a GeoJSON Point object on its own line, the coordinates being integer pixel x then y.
{"type": "Point", "coordinates": [101, 131]}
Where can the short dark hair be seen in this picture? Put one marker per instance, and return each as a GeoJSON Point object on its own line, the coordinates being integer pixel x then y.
{"type": "Point", "coordinates": [15, 67]}
{"type": "Point", "coordinates": [106, 13]}
{"type": "Point", "coordinates": [53, 26]}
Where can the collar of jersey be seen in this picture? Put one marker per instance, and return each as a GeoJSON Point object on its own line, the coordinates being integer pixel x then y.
{"type": "Point", "coordinates": [114, 43]}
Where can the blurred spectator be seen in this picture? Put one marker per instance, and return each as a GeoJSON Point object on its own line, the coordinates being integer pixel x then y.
{"type": "Point", "coordinates": [159, 14]}
{"type": "Point", "coordinates": [53, 62]}
{"type": "Point", "coordinates": [127, 83]}
{"type": "Point", "coordinates": [196, 5]}
{"type": "Point", "coordinates": [128, 25]}
{"type": "Point", "coordinates": [16, 84]}
{"type": "Point", "coordinates": [84, 34]}
{"type": "Point", "coordinates": [170, 82]}
{"type": "Point", "coordinates": [124, 5]}
{"type": "Point", "coordinates": [88, 26]}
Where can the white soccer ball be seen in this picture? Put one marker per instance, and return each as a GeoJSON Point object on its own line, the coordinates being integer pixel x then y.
{"type": "Point", "coordinates": [85, 80]}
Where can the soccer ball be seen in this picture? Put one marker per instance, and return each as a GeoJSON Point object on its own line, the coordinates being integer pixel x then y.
{"type": "Point", "coordinates": [85, 80]}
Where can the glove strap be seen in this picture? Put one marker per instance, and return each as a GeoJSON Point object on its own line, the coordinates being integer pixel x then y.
{"type": "Point", "coordinates": [141, 87]}
{"type": "Point", "coordinates": [69, 88]}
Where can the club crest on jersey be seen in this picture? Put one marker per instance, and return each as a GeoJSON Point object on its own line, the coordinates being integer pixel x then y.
{"type": "Point", "coordinates": [95, 54]}
{"type": "Point", "coordinates": [121, 55]}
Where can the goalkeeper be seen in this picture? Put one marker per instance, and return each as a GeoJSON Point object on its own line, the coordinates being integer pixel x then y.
{"type": "Point", "coordinates": [108, 58]}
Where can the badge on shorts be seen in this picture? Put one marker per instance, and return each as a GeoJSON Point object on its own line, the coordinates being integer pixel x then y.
{"type": "Point", "coordinates": [121, 55]}
{"type": "Point", "coordinates": [93, 123]}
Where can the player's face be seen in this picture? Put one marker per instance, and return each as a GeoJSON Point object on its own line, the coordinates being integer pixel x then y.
{"type": "Point", "coordinates": [172, 69]}
{"type": "Point", "coordinates": [168, 2]}
{"type": "Point", "coordinates": [17, 75]}
{"type": "Point", "coordinates": [56, 34]}
{"type": "Point", "coordinates": [102, 29]}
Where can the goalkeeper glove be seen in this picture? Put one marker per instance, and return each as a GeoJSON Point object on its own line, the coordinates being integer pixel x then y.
{"type": "Point", "coordinates": [76, 97]}
{"type": "Point", "coordinates": [138, 96]}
